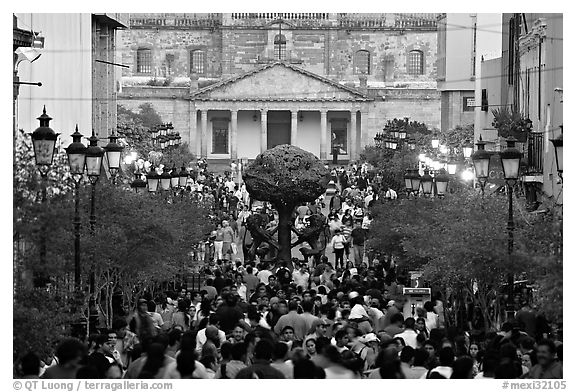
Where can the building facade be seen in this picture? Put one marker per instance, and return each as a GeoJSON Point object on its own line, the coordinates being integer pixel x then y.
{"type": "Point", "coordinates": [236, 84]}
{"type": "Point", "coordinates": [76, 87]}
{"type": "Point", "coordinates": [528, 79]}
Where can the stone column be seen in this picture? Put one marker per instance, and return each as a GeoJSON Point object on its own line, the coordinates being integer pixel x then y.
{"type": "Point", "coordinates": [352, 148]}
{"type": "Point", "coordinates": [323, 135]}
{"type": "Point", "coordinates": [204, 137]}
{"type": "Point", "coordinates": [294, 128]}
{"type": "Point", "coordinates": [193, 139]}
{"type": "Point", "coordinates": [234, 134]}
{"type": "Point", "coordinates": [363, 130]}
{"type": "Point", "coordinates": [263, 130]}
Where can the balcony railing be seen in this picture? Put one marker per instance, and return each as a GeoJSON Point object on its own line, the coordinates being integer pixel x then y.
{"type": "Point", "coordinates": [361, 20]}
{"type": "Point", "coordinates": [270, 16]}
{"type": "Point", "coordinates": [415, 20]}
{"type": "Point", "coordinates": [535, 153]}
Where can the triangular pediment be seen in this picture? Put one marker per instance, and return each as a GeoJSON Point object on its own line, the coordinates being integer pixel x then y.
{"type": "Point", "coordinates": [279, 82]}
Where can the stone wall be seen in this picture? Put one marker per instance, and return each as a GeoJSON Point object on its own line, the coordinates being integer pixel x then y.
{"type": "Point", "coordinates": [326, 51]}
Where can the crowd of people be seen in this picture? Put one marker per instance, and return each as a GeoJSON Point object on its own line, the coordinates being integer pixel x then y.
{"type": "Point", "coordinates": [310, 319]}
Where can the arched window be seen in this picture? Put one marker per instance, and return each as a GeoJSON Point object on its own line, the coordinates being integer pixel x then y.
{"type": "Point", "coordinates": [280, 47]}
{"type": "Point", "coordinates": [362, 62]}
{"type": "Point", "coordinates": [415, 62]}
{"type": "Point", "coordinates": [144, 61]}
{"type": "Point", "coordinates": [197, 60]}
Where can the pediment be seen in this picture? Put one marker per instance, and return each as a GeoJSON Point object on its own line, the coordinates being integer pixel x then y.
{"type": "Point", "coordinates": [279, 82]}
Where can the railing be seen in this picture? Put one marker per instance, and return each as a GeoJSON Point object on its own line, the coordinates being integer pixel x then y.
{"type": "Point", "coordinates": [182, 20]}
{"type": "Point", "coordinates": [535, 152]}
{"type": "Point", "coordinates": [282, 15]}
{"type": "Point", "coordinates": [415, 20]}
{"type": "Point", "coordinates": [352, 20]}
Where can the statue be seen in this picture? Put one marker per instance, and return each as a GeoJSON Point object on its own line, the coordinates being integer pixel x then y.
{"type": "Point", "coordinates": [285, 176]}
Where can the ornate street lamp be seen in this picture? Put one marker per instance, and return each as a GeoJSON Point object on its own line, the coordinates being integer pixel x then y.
{"type": "Point", "coordinates": [162, 129]}
{"type": "Point", "coordinates": [481, 161]}
{"type": "Point", "coordinates": [427, 181]}
{"type": "Point", "coordinates": [559, 153]}
{"type": "Point", "coordinates": [165, 179]}
{"type": "Point", "coordinates": [435, 141]}
{"type": "Point", "coordinates": [94, 155]}
{"type": "Point", "coordinates": [411, 144]}
{"type": "Point", "coordinates": [510, 159]}
{"type": "Point", "coordinates": [178, 139]}
{"type": "Point", "coordinates": [183, 177]}
{"type": "Point", "coordinates": [113, 153]}
{"type": "Point", "coordinates": [402, 134]}
{"type": "Point", "coordinates": [152, 178]}
{"type": "Point", "coordinates": [44, 142]}
{"type": "Point", "coordinates": [416, 180]}
{"type": "Point", "coordinates": [175, 177]}
{"type": "Point", "coordinates": [452, 165]}
{"type": "Point", "coordinates": [393, 144]}
{"type": "Point", "coordinates": [155, 132]}
{"type": "Point", "coordinates": [441, 180]}
{"type": "Point", "coordinates": [76, 155]}
{"type": "Point", "coordinates": [138, 182]}
{"type": "Point", "coordinates": [467, 150]}
{"type": "Point", "coordinates": [76, 160]}
{"type": "Point", "coordinates": [408, 180]}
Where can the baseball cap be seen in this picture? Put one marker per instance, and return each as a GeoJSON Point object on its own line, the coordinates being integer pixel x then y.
{"type": "Point", "coordinates": [370, 337]}
{"type": "Point", "coordinates": [391, 302]}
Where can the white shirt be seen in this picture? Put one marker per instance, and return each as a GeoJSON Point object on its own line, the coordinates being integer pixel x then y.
{"type": "Point", "coordinates": [446, 371]}
{"type": "Point", "coordinates": [264, 275]}
{"type": "Point", "coordinates": [357, 312]}
{"type": "Point", "coordinates": [409, 336]}
{"type": "Point", "coordinates": [201, 338]}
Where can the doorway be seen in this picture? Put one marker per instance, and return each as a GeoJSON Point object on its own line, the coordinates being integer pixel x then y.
{"type": "Point", "coordinates": [279, 128]}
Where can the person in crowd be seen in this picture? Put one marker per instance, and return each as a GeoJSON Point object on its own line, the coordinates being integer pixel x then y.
{"type": "Point", "coordinates": [261, 365]}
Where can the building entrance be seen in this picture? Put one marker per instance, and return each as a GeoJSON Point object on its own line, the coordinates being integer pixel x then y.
{"type": "Point", "coordinates": [278, 128]}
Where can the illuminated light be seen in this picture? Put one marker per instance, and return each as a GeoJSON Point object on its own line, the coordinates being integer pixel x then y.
{"type": "Point", "coordinates": [467, 175]}
{"type": "Point", "coordinates": [422, 157]}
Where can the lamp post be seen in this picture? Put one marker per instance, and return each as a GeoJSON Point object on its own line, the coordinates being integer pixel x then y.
{"type": "Point", "coordinates": [427, 181]}
{"type": "Point", "coordinates": [113, 153]}
{"type": "Point", "coordinates": [559, 154]}
{"type": "Point", "coordinates": [182, 177]}
{"type": "Point", "coordinates": [152, 178]}
{"type": "Point", "coordinates": [467, 150]}
{"type": "Point", "coordinates": [44, 143]}
{"type": "Point", "coordinates": [510, 159]}
{"type": "Point", "coordinates": [441, 180]}
{"type": "Point", "coordinates": [481, 161]}
{"type": "Point", "coordinates": [76, 160]}
{"type": "Point", "coordinates": [94, 155]}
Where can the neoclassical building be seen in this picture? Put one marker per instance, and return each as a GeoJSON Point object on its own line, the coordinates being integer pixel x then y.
{"type": "Point", "coordinates": [237, 84]}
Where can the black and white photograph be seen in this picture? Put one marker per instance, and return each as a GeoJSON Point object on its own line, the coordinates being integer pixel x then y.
{"type": "Point", "coordinates": [294, 195]}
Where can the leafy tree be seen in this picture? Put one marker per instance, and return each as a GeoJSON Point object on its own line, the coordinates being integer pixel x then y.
{"type": "Point", "coordinates": [460, 243]}
{"type": "Point", "coordinates": [286, 176]}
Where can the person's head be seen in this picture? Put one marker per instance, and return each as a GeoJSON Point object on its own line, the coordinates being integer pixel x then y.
{"type": "Point", "coordinates": [280, 351]}
{"type": "Point", "coordinates": [30, 364]}
{"type": "Point", "coordinates": [420, 357]}
{"type": "Point", "coordinates": [114, 371]}
{"type": "Point", "coordinates": [305, 369]}
{"type": "Point", "coordinates": [420, 323]}
{"type": "Point", "coordinates": [463, 368]}
{"type": "Point", "coordinates": [409, 323]}
{"type": "Point", "coordinates": [69, 352]}
{"type": "Point", "coordinates": [238, 333]}
{"type": "Point", "coordinates": [142, 305]}
{"type": "Point", "coordinates": [397, 319]}
{"type": "Point", "coordinates": [310, 345]}
{"type": "Point", "coordinates": [307, 305]}
{"type": "Point", "coordinates": [263, 350]}
{"type": "Point", "coordinates": [238, 351]}
{"type": "Point", "coordinates": [545, 352]}
{"type": "Point", "coordinates": [526, 360]}
{"type": "Point", "coordinates": [288, 333]}
{"type": "Point", "coordinates": [446, 356]}
{"type": "Point", "coordinates": [341, 338]}
{"type": "Point", "coordinates": [473, 350]}
{"type": "Point", "coordinates": [407, 355]}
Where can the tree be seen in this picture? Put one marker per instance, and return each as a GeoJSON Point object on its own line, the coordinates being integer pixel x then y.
{"type": "Point", "coordinates": [460, 244]}
{"type": "Point", "coordinates": [286, 176]}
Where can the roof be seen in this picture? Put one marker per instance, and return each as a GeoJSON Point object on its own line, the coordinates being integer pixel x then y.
{"type": "Point", "coordinates": [338, 91]}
